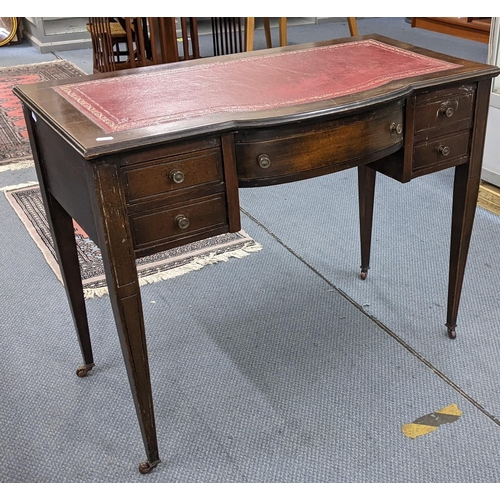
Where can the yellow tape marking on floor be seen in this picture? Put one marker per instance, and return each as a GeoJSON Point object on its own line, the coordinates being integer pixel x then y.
{"type": "Point", "coordinates": [429, 423]}
{"type": "Point", "coordinates": [415, 430]}
{"type": "Point", "coordinates": [450, 410]}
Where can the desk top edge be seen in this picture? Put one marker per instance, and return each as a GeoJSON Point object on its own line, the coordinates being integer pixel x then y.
{"type": "Point", "coordinates": [35, 98]}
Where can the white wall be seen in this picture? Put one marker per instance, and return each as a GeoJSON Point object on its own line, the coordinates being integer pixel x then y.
{"type": "Point", "coordinates": [491, 159]}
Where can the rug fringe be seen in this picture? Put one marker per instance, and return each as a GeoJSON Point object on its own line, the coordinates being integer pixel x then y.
{"type": "Point", "coordinates": [18, 186]}
{"type": "Point", "coordinates": [16, 165]}
{"type": "Point", "coordinates": [46, 63]}
{"type": "Point", "coordinates": [195, 265]}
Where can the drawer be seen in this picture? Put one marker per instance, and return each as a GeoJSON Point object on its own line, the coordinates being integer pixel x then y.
{"type": "Point", "coordinates": [173, 174]}
{"type": "Point", "coordinates": [179, 221]}
{"type": "Point", "coordinates": [446, 148]}
{"type": "Point", "coordinates": [278, 155]}
{"type": "Point", "coordinates": [445, 108]}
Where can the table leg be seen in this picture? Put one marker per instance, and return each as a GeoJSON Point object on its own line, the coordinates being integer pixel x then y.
{"type": "Point", "coordinates": [465, 193]}
{"type": "Point", "coordinates": [366, 191]}
{"type": "Point", "coordinates": [63, 235]}
{"type": "Point", "coordinates": [118, 256]}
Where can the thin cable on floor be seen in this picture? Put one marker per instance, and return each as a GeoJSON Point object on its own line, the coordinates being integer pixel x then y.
{"type": "Point", "coordinates": [385, 328]}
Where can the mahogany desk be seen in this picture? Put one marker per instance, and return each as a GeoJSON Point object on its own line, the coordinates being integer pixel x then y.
{"type": "Point", "coordinates": [149, 159]}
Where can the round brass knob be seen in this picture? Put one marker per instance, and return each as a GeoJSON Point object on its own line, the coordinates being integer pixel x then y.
{"type": "Point", "coordinates": [444, 150]}
{"type": "Point", "coordinates": [177, 176]}
{"type": "Point", "coordinates": [182, 221]}
{"type": "Point", "coordinates": [264, 161]}
{"type": "Point", "coordinates": [446, 111]}
{"type": "Point", "coordinates": [396, 128]}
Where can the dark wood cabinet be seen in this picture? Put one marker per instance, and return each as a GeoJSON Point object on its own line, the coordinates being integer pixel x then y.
{"type": "Point", "coordinates": [472, 28]}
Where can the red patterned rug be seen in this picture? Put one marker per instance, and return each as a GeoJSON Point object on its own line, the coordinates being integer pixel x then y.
{"type": "Point", "coordinates": [15, 151]}
{"type": "Point", "coordinates": [28, 205]}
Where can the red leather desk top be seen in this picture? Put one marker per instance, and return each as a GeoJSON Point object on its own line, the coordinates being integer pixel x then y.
{"type": "Point", "coordinates": [248, 84]}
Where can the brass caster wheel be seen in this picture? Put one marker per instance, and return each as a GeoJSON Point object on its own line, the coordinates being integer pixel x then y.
{"type": "Point", "coordinates": [147, 467]}
{"type": "Point", "coordinates": [451, 332]}
{"type": "Point", "coordinates": [82, 371]}
{"type": "Point", "coordinates": [364, 273]}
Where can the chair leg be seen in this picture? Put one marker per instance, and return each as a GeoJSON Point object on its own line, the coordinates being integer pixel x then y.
{"type": "Point", "coordinates": [249, 33]}
{"type": "Point", "coordinates": [267, 30]}
{"type": "Point", "coordinates": [195, 43]}
{"type": "Point", "coordinates": [353, 27]}
{"type": "Point", "coordinates": [283, 34]}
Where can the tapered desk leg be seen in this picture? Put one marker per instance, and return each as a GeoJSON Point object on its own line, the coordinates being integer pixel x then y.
{"type": "Point", "coordinates": [117, 251]}
{"type": "Point", "coordinates": [465, 193]}
{"type": "Point", "coordinates": [63, 234]}
{"type": "Point", "coordinates": [366, 190]}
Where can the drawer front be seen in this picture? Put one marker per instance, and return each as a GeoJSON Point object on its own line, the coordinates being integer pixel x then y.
{"type": "Point", "coordinates": [445, 108]}
{"type": "Point", "coordinates": [444, 149]}
{"type": "Point", "coordinates": [338, 142]}
{"type": "Point", "coordinates": [179, 221]}
{"type": "Point", "coordinates": [173, 174]}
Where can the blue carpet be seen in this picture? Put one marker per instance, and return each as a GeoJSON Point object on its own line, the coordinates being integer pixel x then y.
{"type": "Point", "coordinates": [265, 374]}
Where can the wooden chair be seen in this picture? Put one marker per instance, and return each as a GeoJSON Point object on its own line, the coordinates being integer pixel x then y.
{"type": "Point", "coordinates": [228, 38]}
{"type": "Point", "coordinates": [131, 42]}
{"type": "Point", "coordinates": [107, 41]}
{"type": "Point", "coordinates": [227, 35]}
{"type": "Point", "coordinates": [250, 31]}
{"type": "Point", "coordinates": [154, 40]}
{"type": "Point", "coordinates": [231, 35]}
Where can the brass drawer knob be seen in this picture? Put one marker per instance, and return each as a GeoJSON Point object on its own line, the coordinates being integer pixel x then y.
{"type": "Point", "coordinates": [444, 150]}
{"type": "Point", "coordinates": [446, 111]}
{"type": "Point", "coordinates": [177, 176]}
{"type": "Point", "coordinates": [182, 221]}
{"type": "Point", "coordinates": [264, 161]}
{"type": "Point", "coordinates": [396, 128]}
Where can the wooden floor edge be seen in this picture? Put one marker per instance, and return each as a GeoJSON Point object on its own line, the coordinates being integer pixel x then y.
{"type": "Point", "coordinates": [489, 197]}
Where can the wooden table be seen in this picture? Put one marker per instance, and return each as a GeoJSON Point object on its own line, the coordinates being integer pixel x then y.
{"type": "Point", "coordinates": [152, 158]}
{"type": "Point", "coordinates": [472, 28]}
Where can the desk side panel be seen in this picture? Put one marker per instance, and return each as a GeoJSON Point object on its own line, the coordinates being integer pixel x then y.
{"type": "Point", "coordinates": [64, 172]}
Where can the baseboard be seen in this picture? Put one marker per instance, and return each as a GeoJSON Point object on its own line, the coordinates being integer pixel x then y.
{"type": "Point", "coordinates": [48, 47]}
